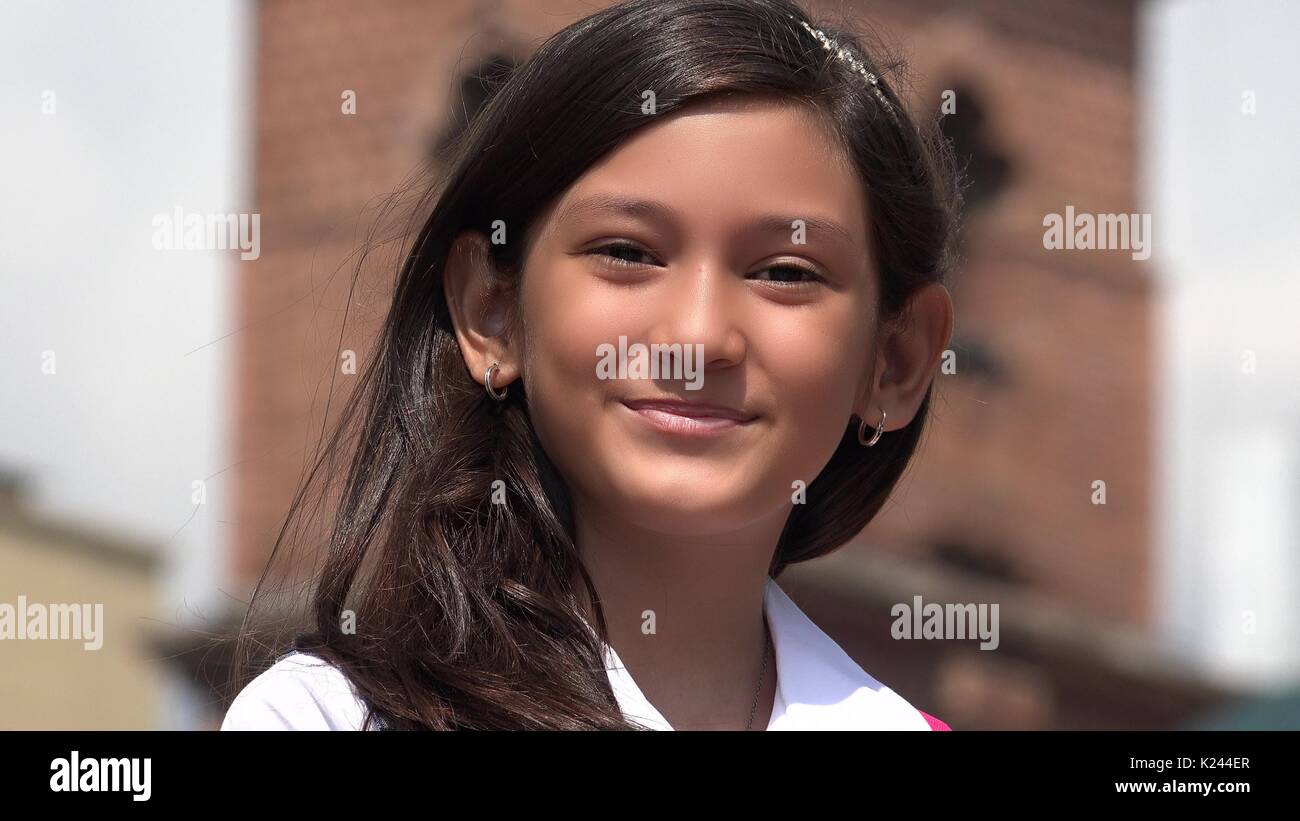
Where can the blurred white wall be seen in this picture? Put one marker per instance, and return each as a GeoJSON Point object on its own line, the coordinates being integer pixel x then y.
{"type": "Point", "coordinates": [151, 107]}
{"type": "Point", "coordinates": [1223, 185]}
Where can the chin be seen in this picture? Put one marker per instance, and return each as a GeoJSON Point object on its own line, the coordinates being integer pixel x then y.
{"type": "Point", "coordinates": [691, 507]}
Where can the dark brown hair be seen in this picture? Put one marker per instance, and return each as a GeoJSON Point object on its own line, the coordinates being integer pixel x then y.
{"type": "Point", "coordinates": [465, 612]}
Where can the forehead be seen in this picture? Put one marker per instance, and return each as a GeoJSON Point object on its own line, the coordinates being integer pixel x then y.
{"type": "Point", "coordinates": [723, 159]}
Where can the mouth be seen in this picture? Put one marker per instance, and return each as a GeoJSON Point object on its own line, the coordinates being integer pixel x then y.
{"type": "Point", "coordinates": [682, 418]}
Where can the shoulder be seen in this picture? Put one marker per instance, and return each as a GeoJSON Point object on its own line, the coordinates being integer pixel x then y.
{"type": "Point", "coordinates": [935, 724]}
{"type": "Point", "coordinates": [873, 705]}
{"type": "Point", "coordinates": [887, 706]}
{"type": "Point", "coordinates": [299, 692]}
{"type": "Point", "coordinates": [819, 686]}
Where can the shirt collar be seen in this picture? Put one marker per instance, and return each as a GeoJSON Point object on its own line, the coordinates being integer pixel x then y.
{"type": "Point", "coordinates": [818, 686]}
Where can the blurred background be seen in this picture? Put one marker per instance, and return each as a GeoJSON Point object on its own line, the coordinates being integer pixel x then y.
{"type": "Point", "coordinates": [1115, 454]}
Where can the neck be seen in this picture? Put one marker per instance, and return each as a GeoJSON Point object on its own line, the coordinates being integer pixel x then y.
{"type": "Point", "coordinates": [685, 614]}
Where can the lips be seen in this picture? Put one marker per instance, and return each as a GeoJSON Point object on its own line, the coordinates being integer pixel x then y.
{"type": "Point", "coordinates": [690, 410]}
{"type": "Point", "coordinates": [687, 420]}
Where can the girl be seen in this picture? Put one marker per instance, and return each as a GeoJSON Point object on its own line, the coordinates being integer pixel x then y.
{"type": "Point", "coordinates": [528, 538]}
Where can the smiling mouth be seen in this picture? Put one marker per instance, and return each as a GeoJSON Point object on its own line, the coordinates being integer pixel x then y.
{"type": "Point", "coordinates": [688, 418]}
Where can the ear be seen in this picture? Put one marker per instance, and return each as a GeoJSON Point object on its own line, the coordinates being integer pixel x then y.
{"type": "Point", "coordinates": [482, 307]}
{"type": "Point", "coordinates": [908, 352]}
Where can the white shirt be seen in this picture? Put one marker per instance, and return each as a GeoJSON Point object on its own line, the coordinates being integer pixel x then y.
{"type": "Point", "coordinates": [818, 687]}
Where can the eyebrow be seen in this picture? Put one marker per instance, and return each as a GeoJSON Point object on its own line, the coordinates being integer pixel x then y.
{"type": "Point", "coordinates": [659, 212]}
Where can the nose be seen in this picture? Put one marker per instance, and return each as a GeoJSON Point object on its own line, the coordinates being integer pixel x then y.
{"type": "Point", "coordinates": [704, 306]}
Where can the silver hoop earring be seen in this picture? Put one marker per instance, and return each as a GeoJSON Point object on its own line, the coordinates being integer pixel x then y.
{"type": "Point", "coordinates": [487, 383]}
{"type": "Point", "coordinates": [879, 430]}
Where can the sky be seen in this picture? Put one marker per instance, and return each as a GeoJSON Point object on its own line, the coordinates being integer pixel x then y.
{"type": "Point", "coordinates": [150, 105]}
{"type": "Point", "coordinates": [1220, 124]}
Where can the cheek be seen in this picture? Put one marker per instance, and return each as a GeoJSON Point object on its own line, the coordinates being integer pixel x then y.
{"type": "Point", "coordinates": [814, 370]}
{"type": "Point", "coordinates": [567, 318]}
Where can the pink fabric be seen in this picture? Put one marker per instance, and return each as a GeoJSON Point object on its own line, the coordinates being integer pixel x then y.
{"type": "Point", "coordinates": [935, 724]}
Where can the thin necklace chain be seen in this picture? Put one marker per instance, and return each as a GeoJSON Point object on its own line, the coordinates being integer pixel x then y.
{"type": "Point", "coordinates": [767, 643]}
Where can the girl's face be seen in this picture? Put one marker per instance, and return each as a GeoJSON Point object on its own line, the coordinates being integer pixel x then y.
{"type": "Point", "coordinates": [740, 236]}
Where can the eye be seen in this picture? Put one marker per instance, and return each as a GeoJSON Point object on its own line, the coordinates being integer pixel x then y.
{"type": "Point", "coordinates": [792, 270]}
{"type": "Point", "coordinates": [608, 255]}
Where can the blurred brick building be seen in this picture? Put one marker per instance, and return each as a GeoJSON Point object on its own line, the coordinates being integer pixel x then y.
{"type": "Point", "coordinates": [1052, 389]}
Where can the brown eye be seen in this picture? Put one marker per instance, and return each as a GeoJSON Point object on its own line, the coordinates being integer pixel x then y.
{"type": "Point", "coordinates": [612, 253]}
{"type": "Point", "coordinates": [794, 271]}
